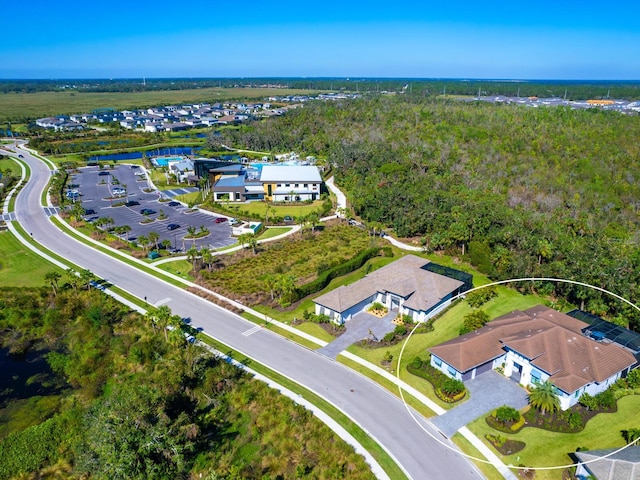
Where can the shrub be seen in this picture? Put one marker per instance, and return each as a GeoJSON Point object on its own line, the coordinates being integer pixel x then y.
{"type": "Point", "coordinates": [606, 399]}
{"type": "Point", "coordinates": [480, 256]}
{"type": "Point", "coordinates": [506, 414]}
{"type": "Point", "coordinates": [388, 357]}
{"type": "Point", "coordinates": [342, 269]}
{"type": "Point", "coordinates": [518, 425]}
{"type": "Point", "coordinates": [589, 402]}
{"type": "Point", "coordinates": [575, 420]}
{"type": "Point", "coordinates": [480, 297]}
{"type": "Point", "coordinates": [474, 321]}
{"type": "Point", "coordinates": [452, 387]}
{"type": "Point", "coordinates": [633, 379]}
{"type": "Point", "coordinates": [400, 330]}
{"type": "Point", "coordinates": [389, 337]}
{"type": "Point", "coordinates": [417, 362]}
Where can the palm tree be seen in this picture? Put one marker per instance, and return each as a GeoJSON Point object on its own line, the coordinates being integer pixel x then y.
{"type": "Point", "coordinates": [162, 316]}
{"type": "Point", "coordinates": [126, 229]}
{"type": "Point", "coordinates": [252, 242]}
{"type": "Point", "coordinates": [544, 397]}
{"type": "Point", "coordinates": [243, 239]}
{"type": "Point", "coordinates": [85, 277]}
{"type": "Point", "coordinates": [53, 277]}
{"type": "Point", "coordinates": [166, 243]}
{"type": "Point", "coordinates": [313, 218]}
{"type": "Point", "coordinates": [631, 435]}
{"type": "Point", "coordinates": [73, 278]}
{"type": "Point", "coordinates": [192, 255]}
{"type": "Point", "coordinates": [154, 237]}
{"type": "Point", "coordinates": [143, 242]}
{"type": "Point", "coordinates": [271, 282]}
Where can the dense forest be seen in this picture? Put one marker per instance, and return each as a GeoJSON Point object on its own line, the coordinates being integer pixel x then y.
{"type": "Point", "coordinates": [516, 191]}
{"type": "Point", "coordinates": [125, 398]}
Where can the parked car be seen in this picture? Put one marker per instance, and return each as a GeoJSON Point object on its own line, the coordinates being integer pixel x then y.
{"type": "Point", "coordinates": [89, 211]}
{"type": "Point", "coordinates": [132, 203]}
{"type": "Point", "coordinates": [101, 173]}
{"type": "Point", "coordinates": [20, 155]}
{"type": "Point", "coordinates": [147, 211]}
{"type": "Point", "coordinates": [220, 219]}
{"type": "Point", "coordinates": [173, 203]}
{"type": "Point", "coordinates": [173, 226]}
{"type": "Point", "coordinates": [135, 166]}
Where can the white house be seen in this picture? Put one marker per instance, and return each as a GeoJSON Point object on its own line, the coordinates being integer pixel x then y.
{"type": "Point", "coordinates": [287, 183]}
{"type": "Point", "coordinates": [534, 346]}
{"type": "Point", "coordinates": [405, 287]}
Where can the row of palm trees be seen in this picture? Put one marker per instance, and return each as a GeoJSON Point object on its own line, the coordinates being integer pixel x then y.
{"type": "Point", "coordinates": [73, 277]}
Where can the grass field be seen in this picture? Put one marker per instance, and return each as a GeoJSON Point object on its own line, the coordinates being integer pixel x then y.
{"type": "Point", "coordinates": [20, 266]}
{"type": "Point", "coordinates": [10, 167]}
{"type": "Point", "coordinates": [275, 210]}
{"type": "Point", "coordinates": [14, 106]}
{"type": "Point", "coordinates": [545, 449]}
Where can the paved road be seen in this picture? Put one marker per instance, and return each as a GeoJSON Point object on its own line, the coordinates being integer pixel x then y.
{"type": "Point", "coordinates": [381, 414]}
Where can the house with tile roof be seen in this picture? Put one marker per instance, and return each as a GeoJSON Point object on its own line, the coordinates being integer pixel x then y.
{"type": "Point", "coordinates": [404, 286]}
{"type": "Point", "coordinates": [534, 346]}
{"type": "Point", "coordinates": [610, 464]}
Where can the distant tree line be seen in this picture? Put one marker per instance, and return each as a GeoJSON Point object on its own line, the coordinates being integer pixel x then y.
{"type": "Point", "coordinates": [573, 90]}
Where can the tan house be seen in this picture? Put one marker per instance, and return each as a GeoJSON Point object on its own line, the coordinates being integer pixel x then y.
{"type": "Point", "coordinates": [533, 346]}
{"type": "Point", "coordinates": [405, 286]}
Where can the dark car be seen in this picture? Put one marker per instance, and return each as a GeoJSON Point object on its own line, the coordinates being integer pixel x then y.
{"type": "Point", "coordinates": [135, 166]}
{"type": "Point", "coordinates": [20, 155]}
{"type": "Point", "coordinates": [220, 220]}
{"type": "Point", "coordinates": [147, 211]}
{"type": "Point", "coordinates": [172, 226]}
{"type": "Point", "coordinates": [103, 173]}
{"type": "Point", "coordinates": [89, 211]}
{"type": "Point", "coordinates": [132, 203]}
{"type": "Point", "coordinates": [174, 204]}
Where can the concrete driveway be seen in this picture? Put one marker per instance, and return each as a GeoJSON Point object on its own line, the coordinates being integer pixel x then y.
{"type": "Point", "coordinates": [488, 391]}
{"type": "Point", "coordinates": [360, 327]}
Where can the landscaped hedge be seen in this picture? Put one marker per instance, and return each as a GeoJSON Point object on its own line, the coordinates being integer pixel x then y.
{"type": "Point", "coordinates": [436, 378]}
{"type": "Point", "coordinates": [347, 267]}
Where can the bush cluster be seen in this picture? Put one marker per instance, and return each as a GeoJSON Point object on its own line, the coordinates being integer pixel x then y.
{"type": "Point", "coordinates": [447, 389]}
{"type": "Point", "coordinates": [398, 332]}
{"type": "Point", "coordinates": [315, 318]}
{"type": "Point", "coordinates": [347, 267]}
{"type": "Point", "coordinates": [480, 297]}
{"type": "Point", "coordinates": [604, 400]}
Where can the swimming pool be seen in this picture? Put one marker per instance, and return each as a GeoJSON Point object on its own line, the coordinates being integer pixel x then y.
{"type": "Point", "coordinates": [164, 161]}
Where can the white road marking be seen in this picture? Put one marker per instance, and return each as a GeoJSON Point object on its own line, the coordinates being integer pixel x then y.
{"type": "Point", "coordinates": [251, 331]}
{"type": "Point", "coordinates": [162, 302]}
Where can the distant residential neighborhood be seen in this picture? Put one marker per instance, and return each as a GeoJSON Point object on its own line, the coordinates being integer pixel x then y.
{"type": "Point", "coordinates": [174, 118]}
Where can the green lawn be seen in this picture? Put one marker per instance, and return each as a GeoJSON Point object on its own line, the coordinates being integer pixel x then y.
{"type": "Point", "coordinates": [545, 449]}
{"type": "Point", "coordinates": [275, 210]}
{"type": "Point", "coordinates": [270, 232]}
{"type": "Point", "coordinates": [20, 266]}
{"type": "Point", "coordinates": [9, 167]}
{"type": "Point", "coordinates": [488, 470]}
{"type": "Point", "coordinates": [181, 268]}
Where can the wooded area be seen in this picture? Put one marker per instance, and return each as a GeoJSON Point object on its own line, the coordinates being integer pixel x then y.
{"type": "Point", "coordinates": [133, 399]}
{"type": "Point", "coordinates": [517, 191]}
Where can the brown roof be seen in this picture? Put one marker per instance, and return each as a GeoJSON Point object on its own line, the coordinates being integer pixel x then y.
{"type": "Point", "coordinates": [420, 288]}
{"type": "Point", "coordinates": [551, 340]}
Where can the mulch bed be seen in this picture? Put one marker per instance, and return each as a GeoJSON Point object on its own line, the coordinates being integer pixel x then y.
{"type": "Point", "coordinates": [558, 421]}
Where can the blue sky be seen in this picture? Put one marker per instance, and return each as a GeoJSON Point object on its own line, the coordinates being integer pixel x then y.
{"type": "Point", "coordinates": [481, 39]}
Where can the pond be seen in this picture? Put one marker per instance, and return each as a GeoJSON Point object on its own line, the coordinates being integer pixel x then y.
{"type": "Point", "coordinates": [26, 376]}
{"type": "Point", "coordinates": [158, 152]}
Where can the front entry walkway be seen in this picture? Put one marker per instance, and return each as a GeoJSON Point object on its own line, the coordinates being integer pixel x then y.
{"type": "Point", "coordinates": [488, 391]}
{"type": "Point", "coordinates": [361, 326]}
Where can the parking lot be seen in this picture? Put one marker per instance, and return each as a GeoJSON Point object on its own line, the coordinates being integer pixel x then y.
{"type": "Point", "coordinates": [99, 190]}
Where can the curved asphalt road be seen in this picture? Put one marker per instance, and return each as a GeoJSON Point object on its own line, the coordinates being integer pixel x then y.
{"type": "Point", "coordinates": [378, 412]}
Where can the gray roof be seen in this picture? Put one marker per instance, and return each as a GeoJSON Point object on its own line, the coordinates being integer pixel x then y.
{"type": "Point", "coordinates": [290, 173]}
{"type": "Point", "coordinates": [230, 182]}
{"type": "Point", "coordinates": [623, 465]}
{"type": "Point", "coordinates": [421, 289]}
